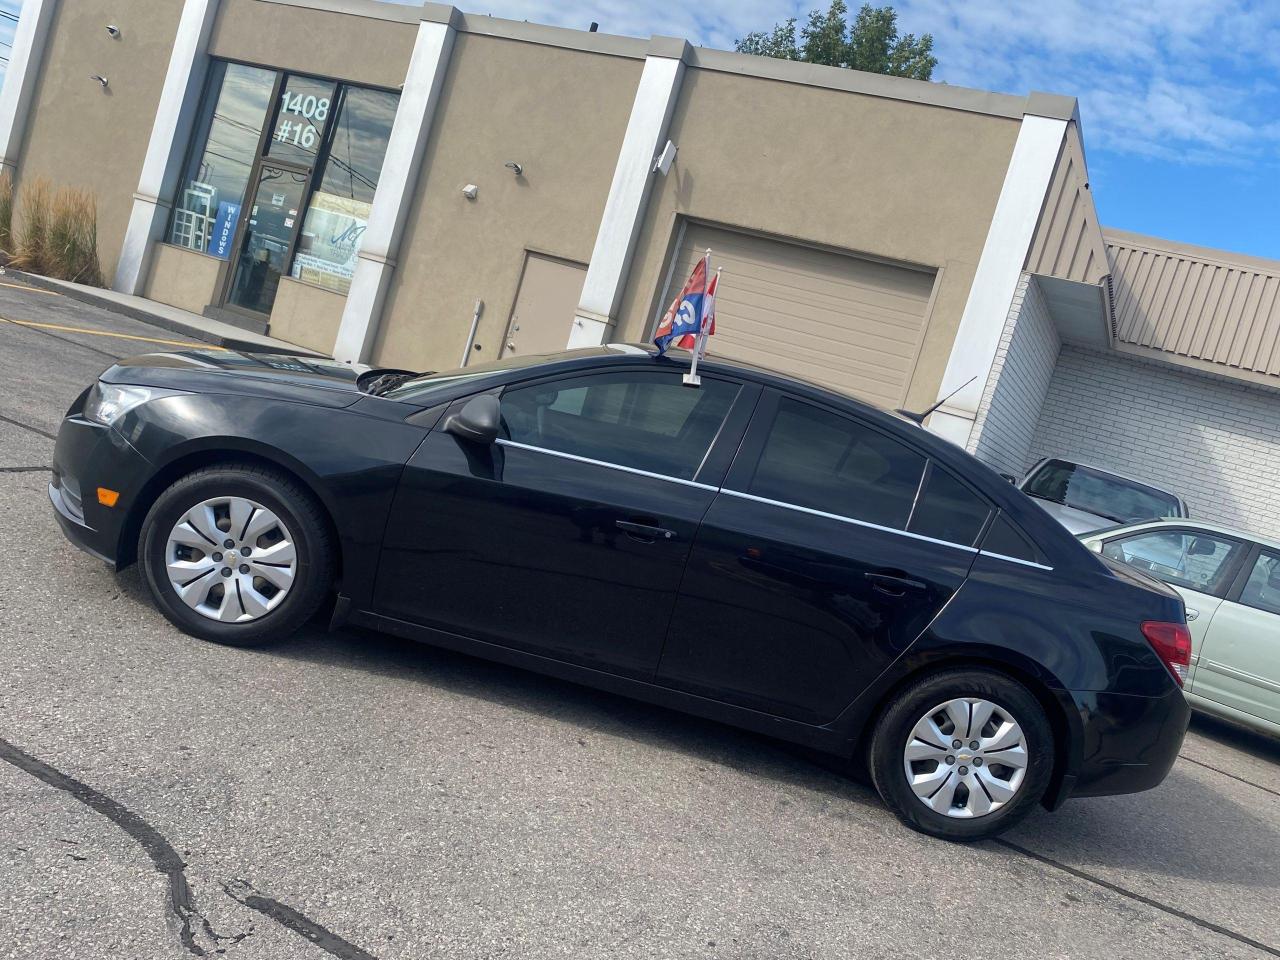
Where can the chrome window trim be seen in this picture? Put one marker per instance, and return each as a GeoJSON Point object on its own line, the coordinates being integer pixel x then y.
{"type": "Point", "coordinates": [843, 519]}
{"type": "Point", "coordinates": [1025, 563]}
{"type": "Point", "coordinates": [604, 463]}
{"type": "Point", "coordinates": [765, 500]}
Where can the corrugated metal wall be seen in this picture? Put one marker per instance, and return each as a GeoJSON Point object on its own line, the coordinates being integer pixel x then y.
{"type": "Point", "coordinates": [1195, 303]}
{"type": "Point", "coordinates": [1068, 240]}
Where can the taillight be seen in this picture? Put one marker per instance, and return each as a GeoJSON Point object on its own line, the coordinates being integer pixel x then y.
{"type": "Point", "coordinates": [1172, 644]}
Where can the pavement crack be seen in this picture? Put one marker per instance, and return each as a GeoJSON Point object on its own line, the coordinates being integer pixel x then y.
{"type": "Point", "coordinates": [24, 469]}
{"type": "Point", "coordinates": [1201, 763]}
{"type": "Point", "coordinates": [243, 892]}
{"type": "Point", "coordinates": [1137, 897]}
{"type": "Point", "coordinates": [26, 426]}
{"type": "Point", "coordinates": [163, 856]}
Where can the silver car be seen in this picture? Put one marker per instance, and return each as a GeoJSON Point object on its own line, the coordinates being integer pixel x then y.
{"type": "Point", "coordinates": [1084, 498]}
{"type": "Point", "coordinates": [1230, 583]}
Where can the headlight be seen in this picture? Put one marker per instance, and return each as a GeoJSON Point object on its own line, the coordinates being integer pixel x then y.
{"type": "Point", "coordinates": [108, 402]}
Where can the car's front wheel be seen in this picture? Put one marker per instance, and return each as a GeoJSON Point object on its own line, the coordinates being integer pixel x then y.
{"type": "Point", "coordinates": [962, 754]}
{"type": "Point", "coordinates": [237, 553]}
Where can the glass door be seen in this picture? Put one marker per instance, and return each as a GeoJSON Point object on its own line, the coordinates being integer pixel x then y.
{"type": "Point", "coordinates": [268, 236]}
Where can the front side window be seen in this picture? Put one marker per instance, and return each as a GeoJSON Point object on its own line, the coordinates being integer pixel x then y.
{"type": "Point", "coordinates": [1262, 590]}
{"type": "Point", "coordinates": [824, 461]}
{"type": "Point", "coordinates": [645, 421]}
{"type": "Point", "coordinates": [211, 192]}
{"type": "Point", "coordinates": [1102, 494]}
{"type": "Point", "coordinates": [1197, 561]}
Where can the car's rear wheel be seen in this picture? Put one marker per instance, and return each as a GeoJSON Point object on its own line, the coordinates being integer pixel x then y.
{"type": "Point", "coordinates": [237, 554]}
{"type": "Point", "coordinates": [962, 754]}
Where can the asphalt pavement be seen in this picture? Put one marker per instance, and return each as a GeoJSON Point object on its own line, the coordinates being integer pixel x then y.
{"type": "Point", "coordinates": [353, 795]}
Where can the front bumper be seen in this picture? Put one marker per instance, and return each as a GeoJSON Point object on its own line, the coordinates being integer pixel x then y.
{"type": "Point", "coordinates": [1130, 742]}
{"type": "Point", "coordinates": [87, 456]}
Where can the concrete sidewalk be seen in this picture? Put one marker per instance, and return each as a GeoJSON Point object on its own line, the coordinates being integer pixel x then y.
{"type": "Point", "coordinates": [164, 316]}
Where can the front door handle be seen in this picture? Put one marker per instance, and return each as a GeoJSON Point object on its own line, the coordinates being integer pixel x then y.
{"type": "Point", "coordinates": [894, 584]}
{"type": "Point", "coordinates": [644, 532]}
{"type": "Point", "coordinates": [1192, 614]}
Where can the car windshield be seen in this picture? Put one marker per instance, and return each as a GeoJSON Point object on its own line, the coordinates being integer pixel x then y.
{"type": "Point", "coordinates": [1099, 493]}
{"type": "Point", "coordinates": [421, 387]}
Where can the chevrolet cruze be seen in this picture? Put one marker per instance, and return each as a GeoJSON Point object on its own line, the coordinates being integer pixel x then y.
{"type": "Point", "coordinates": [756, 550]}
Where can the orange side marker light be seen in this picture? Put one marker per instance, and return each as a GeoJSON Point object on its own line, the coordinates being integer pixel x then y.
{"type": "Point", "coordinates": [107, 497]}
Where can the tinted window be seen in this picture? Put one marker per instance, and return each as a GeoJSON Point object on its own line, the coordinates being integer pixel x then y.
{"type": "Point", "coordinates": [646, 421]}
{"type": "Point", "coordinates": [1008, 541]}
{"type": "Point", "coordinates": [1103, 494]}
{"type": "Point", "coordinates": [948, 510]}
{"type": "Point", "coordinates": [827, 462]}
{"type": "Point", "coordinates": [1263, 587]}
{"type": "Point", "coordinates": [1197, 561]}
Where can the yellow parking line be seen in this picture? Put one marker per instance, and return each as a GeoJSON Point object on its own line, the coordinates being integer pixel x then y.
{"type": "Point", "coordinates": [104, 333]}
{"type": "Point", "coordinates": [23, 286]}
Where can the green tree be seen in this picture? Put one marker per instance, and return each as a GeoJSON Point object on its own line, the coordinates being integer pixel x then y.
{"type": "Point", "coordinates": [871, 42]}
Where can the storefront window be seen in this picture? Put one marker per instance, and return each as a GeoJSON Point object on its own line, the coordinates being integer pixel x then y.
{"type": "Point", "coordinates": [343, 195]}
{"type": "Point", "coordinates": [305, 106]}
{"type": "Point", "coordinates": [281, 179]}
{"type": "Point", "coordinates": [211, 192]}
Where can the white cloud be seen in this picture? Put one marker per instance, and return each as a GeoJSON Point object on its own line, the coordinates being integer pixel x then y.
{"type": "Point", "coordinates": [1184, 80]}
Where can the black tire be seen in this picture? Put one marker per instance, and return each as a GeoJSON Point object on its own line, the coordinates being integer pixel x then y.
{"type": "Point", "coordinates": [293, 504]}
{"type": "Point", "coordinates": [893, 732]}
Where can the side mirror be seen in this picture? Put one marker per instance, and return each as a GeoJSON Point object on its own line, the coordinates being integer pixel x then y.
{"type": "Point", "coordinates": [477, 421]}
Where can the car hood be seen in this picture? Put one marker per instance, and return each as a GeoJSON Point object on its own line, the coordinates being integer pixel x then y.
{"type": "Point", "coordinates": [312, 379]}
{"type": "Point", "coordinates": [1077, 521]}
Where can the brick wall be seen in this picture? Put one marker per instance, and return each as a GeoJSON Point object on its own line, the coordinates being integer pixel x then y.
{"type": "Point", "coordinates": [1213, 441]}
{"type": "Point", "coordinates": [1005, 427]}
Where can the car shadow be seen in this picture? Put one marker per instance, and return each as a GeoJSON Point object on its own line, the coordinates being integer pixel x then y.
{"type": "Point", "coordinates": [1237, 737]}
{"type": "Point", "coordinates": [1233, 843]}
{"type": "Point", "coordinates": [591, 710]}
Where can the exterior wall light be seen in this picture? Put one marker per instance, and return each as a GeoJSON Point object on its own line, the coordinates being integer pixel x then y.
{"type": "Point", "coordinates": [101, 79]}
{"type": "Point", "coordinates": [113, 31]}
{"type": "Point", "coordinates": [470, 191]}
{"type": "Point", "coordinates": [514, 167]}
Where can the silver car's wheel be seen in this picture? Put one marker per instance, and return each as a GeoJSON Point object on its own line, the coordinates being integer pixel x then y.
{"type": "Point", "coordinates": [966, 758]}
{"type": "Point", "coordinates": [231, 559]}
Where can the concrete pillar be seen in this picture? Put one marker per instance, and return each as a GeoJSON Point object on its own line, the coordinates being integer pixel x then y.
{"type": "Point", "coordinates": [400, 169]}
{"type": "Point", "coordinates": [624, 209]}
{"type": "Point", "coordinates": [170, 134]}
{"type": "Point", "coordinates": [1013, 226]}
{"type": "Point", "coordinates": [20, 79]}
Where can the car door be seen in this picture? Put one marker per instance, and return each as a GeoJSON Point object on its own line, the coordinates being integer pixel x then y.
{"type": "Point", "coordinates": [1198, 564]}
{"type": "Point", "coordinates": [830, 548]}
{"type": "Point", "coordinates": [1240, 664]}
{"type": "Point", "coordinates": [568, 536]}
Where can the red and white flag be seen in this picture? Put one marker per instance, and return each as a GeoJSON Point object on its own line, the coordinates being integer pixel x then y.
{"type": "Point", "coordinates": [689, 340]}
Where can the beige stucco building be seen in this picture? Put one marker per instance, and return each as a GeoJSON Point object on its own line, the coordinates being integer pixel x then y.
{"type": "Point", "coordinates": [418, 187]}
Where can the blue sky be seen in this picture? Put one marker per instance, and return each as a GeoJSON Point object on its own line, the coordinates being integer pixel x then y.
{"type": "Point", "coordinates": [1179, 99]}
{"type": "Point", "coordinates": [6, 30]}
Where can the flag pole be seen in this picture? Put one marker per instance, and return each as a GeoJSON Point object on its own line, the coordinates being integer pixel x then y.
{"type": "Point", "coordinates": [691, 379]}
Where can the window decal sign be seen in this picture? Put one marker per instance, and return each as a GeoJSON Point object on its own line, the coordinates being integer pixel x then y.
{"type": "Point", "coordinates": [224, 229]}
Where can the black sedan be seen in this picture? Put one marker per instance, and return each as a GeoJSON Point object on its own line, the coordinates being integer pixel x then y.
{"type": "Point", "coordinates": [756, 550]}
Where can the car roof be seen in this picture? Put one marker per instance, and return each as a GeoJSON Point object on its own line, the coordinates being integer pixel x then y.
{"type": "Point", "coordinates": [1199, 525]}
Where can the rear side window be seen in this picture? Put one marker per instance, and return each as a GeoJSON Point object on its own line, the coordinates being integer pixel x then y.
{"type": "Point", "coordinates": [1192, 559]}
{"type": "Point", "coordinates": [948, 510]}
{"type": "Point", "coordinates": [647, 421]}
{"type": "Point", "coordinates": [1008, 541]}
{"type": "Point", "coordinates": [1262, 590]}
{"type": "Point", "coordinates": [821, 460]}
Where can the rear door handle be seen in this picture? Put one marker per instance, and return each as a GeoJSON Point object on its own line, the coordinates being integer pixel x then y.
{"type": "Point", "coordinates": [893, 584]}
{"type": "Point", "coordinates": [644, 532]}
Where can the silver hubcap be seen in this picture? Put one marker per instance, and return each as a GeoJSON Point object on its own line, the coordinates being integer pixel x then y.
{"type": "Point", "coordinates": [231, 559]}
{"type": "Point", "coordinates": [966, 758]}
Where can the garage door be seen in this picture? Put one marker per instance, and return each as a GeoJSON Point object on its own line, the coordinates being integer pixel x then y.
{"type": "Point", "coordinates": [835, 319]}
